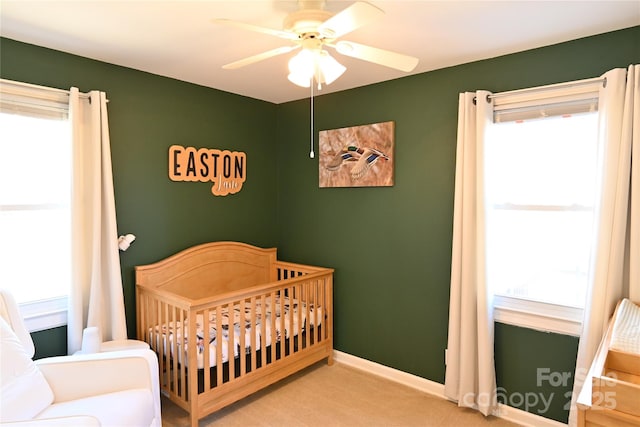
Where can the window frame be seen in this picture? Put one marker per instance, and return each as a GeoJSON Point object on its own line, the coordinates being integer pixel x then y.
{"type": "Point", "coordinates": [37, 101]}
{"type": "Point", "coordinates": [516, 105]}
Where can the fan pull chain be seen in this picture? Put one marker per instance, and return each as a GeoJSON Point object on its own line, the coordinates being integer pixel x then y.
{"type": "Point", "coordinates": [311, 153]}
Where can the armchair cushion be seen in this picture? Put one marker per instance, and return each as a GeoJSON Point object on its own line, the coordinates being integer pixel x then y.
{"type": "Point", "coordinates": [124, 408]}
{"type": "Point", "coordinates": [118, 388]}
{"type": "Point", "coordinates": [24, 390]}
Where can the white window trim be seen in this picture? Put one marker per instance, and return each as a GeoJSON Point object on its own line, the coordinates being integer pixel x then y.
{"type": "Point", "coordinates": [538, 315]}
{"type": "Point", "coordinates": [44, 314]}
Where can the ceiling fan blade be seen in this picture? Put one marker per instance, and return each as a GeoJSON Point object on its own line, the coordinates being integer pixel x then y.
{"type": "Point", "coordinates": [378, 56]}
{"type": "Point", "coordinates": [349, 19]}
{"type": "Point", "coordinates": [259, 57]}
{"type": "Point", "coordinates": [256, 28]}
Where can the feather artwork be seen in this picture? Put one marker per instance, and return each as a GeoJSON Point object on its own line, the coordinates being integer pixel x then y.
{"type": "Point", "coordinates": [358, 156]}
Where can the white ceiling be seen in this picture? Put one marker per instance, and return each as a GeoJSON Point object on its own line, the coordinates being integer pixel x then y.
{"type": "Point", "coordinates": [177, 38]}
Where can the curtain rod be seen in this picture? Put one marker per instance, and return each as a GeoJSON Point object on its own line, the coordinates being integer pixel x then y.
{"type": "Point", "coordinates": [46, 88]}
{"type": "Point", "coordinates": [602, 80]}
{"type": "Point", "coordinates": [595, 80]}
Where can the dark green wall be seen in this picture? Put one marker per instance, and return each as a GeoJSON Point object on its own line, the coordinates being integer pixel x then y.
{"type": "Point", "coordinates": [391, 247]}
{"type": "Point", "coordinates": [535, 370]}
{"type": "Point", "coordinates": [50, 342]}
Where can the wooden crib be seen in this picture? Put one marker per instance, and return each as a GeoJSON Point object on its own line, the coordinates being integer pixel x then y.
{"type": "Point", "coordinates": [266, 320]}
{"type": "Point", "coordinates": [610, 395]}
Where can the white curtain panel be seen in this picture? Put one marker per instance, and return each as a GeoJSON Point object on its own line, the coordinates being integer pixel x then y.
{"type": "Point", "coordinates": [96, 296]}
{"type": "Point", "coordinates": [633, 88]}
{"type": "Point", "coordinates": [616, 258]}
{"type": "Point", "coordinates": [470, 374]}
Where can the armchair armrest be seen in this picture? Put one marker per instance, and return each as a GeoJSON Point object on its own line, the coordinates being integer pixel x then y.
{"type": "Point", "coordinates": [84, 375]}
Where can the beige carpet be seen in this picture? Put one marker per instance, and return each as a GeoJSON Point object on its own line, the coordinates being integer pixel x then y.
{"type": "Point", "coordinates": [338, 395]}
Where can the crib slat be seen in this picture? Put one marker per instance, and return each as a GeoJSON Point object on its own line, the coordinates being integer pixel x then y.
{"type": "Point", "coordinates": [263, 335]}
{"type": "Point", "coordinates": [206, 349]}
{"type": "Point", "coordinates": [241, 351]}
{"type": "Point", "coordinates": [299, 319]}
{"type": "Point", "coordinates": [163, 348]}
{"type": "Point", "coordinates": [307, 312]}
{"type": "Point", "coordinates": [231, 343]}
{"type": "Point", "coordinates": [171, 352]}
{"type": "Point", "coordinates": [283, 331]}
{"type": "Point", "coordinates": [156, 320]}
{"type": "Point", "coordinates": [328, 315]}
{"type": "Point", "coordinates": [254, 331]}
{"type": "Point", "coordinates": [316, 312]}
{"type": "Point", "coordinates": [289, 317]}
{"type": "Point", "coordinates": [191, 358]}
{"type": "Point", "coordinates": [274, 332]}
{"type": "Point", "coordinates": [317, 305]}
{"type": "Point", "coordinates": [312, 304]}
{"type": "Point", "coordinates": [219, 345]}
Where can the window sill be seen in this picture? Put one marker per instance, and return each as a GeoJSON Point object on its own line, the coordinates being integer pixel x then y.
{"type": "Point", "coordinates": [44, 314]}
{"type": "Point", "coordinates": [538, 315]}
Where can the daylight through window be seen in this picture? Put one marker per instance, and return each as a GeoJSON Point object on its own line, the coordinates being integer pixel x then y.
{"type": "Point", "coordinates": [541, 189]}
{"type": "Point", "coordinates": [35, 216]}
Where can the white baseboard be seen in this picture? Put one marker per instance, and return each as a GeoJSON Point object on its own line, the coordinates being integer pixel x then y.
{"type": "Point", "coordinates": [509, 413]}
{"type": "Point", "coordinates": [392, 374]}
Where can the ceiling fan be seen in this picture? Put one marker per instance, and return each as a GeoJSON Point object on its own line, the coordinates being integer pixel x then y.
{"type": "Point", "coordinates": [312, 28]}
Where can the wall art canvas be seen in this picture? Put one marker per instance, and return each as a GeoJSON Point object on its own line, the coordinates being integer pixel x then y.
{"type": "Point", "coordinates": [357, 156]}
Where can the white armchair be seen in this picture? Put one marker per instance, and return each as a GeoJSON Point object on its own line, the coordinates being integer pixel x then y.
{"type": "Point", "coordinates": [118, 388]}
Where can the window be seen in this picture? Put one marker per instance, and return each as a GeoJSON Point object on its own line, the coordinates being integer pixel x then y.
{"type": "Point", "coordinates": [35, 216]}
{"type": "Point", "coordinates": [541, 174]}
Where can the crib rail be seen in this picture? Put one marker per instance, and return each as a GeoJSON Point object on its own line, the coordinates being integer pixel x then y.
{"type": "Point", "coordinates": [203, 377]}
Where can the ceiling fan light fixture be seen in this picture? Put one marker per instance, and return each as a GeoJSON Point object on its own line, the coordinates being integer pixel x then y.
{"type": "Point", "coordinates": [314, 63]}
{"type": "Point", "coordinates": [302, 68]}
{"type": "Point", "coordinates": [299, 79]}
{"type": "Point", "coordinates": [302, 63]}
{"type": "Point", "coordinates": [328, 69]}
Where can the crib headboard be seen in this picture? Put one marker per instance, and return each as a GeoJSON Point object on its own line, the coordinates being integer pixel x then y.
{"type": "Point", "coordinates": [209, 269]}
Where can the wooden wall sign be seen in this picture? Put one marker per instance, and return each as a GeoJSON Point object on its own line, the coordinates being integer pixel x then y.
{"type": "Point", "coordinates": [226, 169]}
